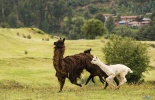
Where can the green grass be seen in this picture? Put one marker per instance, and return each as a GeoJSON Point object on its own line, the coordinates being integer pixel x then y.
{"type": "Point", "coordinates": [32, 76]}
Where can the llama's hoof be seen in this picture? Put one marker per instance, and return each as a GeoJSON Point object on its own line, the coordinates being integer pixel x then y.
{"type": "Point", "coordinates": [117, 88]}
{"type": "Point", "coordinates": [59, 91]}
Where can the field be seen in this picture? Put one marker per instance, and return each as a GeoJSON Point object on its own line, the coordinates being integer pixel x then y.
{"type": "Point", "coordinates": [27, 72]}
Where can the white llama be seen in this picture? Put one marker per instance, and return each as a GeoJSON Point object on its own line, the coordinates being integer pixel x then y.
{"type": "Point", "coordinates": [118, 70]}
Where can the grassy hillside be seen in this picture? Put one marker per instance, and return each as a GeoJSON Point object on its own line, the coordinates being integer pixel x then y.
{"type": "Point", "coordinates": [31, 76]}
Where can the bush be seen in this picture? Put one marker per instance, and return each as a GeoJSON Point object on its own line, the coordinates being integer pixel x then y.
{"type": "Point", "coordinates": [4, 25]}
{"type": "Point", "coordinates": [130, 53]}
{"type": "Point", "coordinates": [45, 39]}
{"type": "Point", "coordinates": [18, 34]}
{"type": "Point", "coordinates": [24, 36]}
{"type": "Point", "coordinates": [29, 36]}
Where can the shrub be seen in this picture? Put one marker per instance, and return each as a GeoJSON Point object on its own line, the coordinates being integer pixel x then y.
{"type": "Point", "coordinates": [29, 36]}
{"type": "Point", "coordinates": [130, 53]}
{"type": "Point", "coordinates": [4, 25]}
{"type": "Point", "coordinates": [47, 39]}
{"type": "Point", "coordinates": [24, 36]}
{"type": "Point", "coordinates": [152, 45]}
{"type": "Point", "coordinates": [18, 34]}
{"type": "Point", "coordinates": [26, 52]}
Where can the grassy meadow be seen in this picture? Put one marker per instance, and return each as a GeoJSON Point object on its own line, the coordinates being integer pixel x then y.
{"type": "Point", "coordinates": [27, 72]}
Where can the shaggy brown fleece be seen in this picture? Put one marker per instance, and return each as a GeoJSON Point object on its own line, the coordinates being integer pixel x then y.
{"type": "Point", "coordinates": [69, 67]}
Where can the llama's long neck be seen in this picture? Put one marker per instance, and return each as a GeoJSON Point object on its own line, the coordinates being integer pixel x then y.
{"type": "Point", "coordinates": [103, 66]}
{"type": "Point", "coordinates": [58, 56]}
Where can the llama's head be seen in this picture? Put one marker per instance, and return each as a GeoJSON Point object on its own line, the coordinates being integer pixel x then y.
{"type": "Point", "coordinates": [87, 51]}
{"type": "Point", "coordinates": [59, 43]}
{"type": "Point", "coordinates": [95, 60]}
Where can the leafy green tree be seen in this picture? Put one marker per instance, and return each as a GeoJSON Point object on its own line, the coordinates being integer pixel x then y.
{"type": "Point", "coordinates": [77, 23]}
{"type": "Point", "coordinates": [124, 31]}
{"type": "Point", "coordinates": [114, 12]}
{"type": "Point", "coordinates": [147, 32]}
{"type": "Point", "coordinates": [129, 52]}
{"type": "Point", "coordinates": [100, 17]}
{"type": "Point", "coordinates": [153, 15]}
{"type": "Point", "coordinates": [12, 20]}
{"type": "Point", "coordinates": [118, 18]}
{"type": "Point", "coordinates": [93, 28]}
{"type": "Point", "coordinates": [139, 18]}
{"type": "Point", "coordinates": [87, 15]}
{"type": "Point", "coordinates": [66, 25]}
{"type": "Point", "coordinates": [110, 24]}
{"type": "Point", "coordinates": [92, 9]}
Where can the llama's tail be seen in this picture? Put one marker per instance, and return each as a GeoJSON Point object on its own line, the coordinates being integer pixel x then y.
{"type": "Point", "coordinates": [130, 71]}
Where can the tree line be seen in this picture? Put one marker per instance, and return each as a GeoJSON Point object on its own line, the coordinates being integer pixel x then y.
{"type": "Point", "coordinates": [66, 16]}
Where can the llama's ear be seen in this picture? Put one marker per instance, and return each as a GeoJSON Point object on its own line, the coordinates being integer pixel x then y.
{"type": "Point", "coordinates": [96, 57]}
{"type": "Point", "coordinates": [60, 38]}
{"type": "Point", "coordinates": [63, 39]}
{"type": "Point", "coordinates": [90, 49]}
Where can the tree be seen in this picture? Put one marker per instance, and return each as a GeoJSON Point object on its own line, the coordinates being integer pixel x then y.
{"type": "Point", "coordinates": [139, 18]}
{"type": "Point", "coordinates": [92, 9]}
{"type": "Point", "coordinates": [124, 31]}
{"type": "Point", "coordinates": [153, 15]}
{"type": "Point", "coordinates": [114, 12]}
{"type": "Point", "coordinates": [100, 17]}
{"type": "Point", "coordinates": [147, 32]}
{"type": "Point", "coordinates": [118, 18]}
{"type": "Point", "coordinates": [128, 52]}
{"type": "Point", "coordinates": [12, 20]}
{"type": "Point", "coordinates": [93, 28]}
{"type": "Point", "coordinates": [110, 24]}
{"type": "Point", "coordinates": [77, 23]}
{"type": "Point", "coordinates": [87, 15]}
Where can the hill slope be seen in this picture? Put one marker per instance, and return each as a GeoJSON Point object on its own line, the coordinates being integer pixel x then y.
{"type": "Point", "coordinates": [13, 43]}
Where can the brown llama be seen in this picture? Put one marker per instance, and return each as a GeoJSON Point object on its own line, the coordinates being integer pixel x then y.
{"type": "Point", "coordinates": [69, 67]}
{"type": "Point", "coordinates": [94, 70]}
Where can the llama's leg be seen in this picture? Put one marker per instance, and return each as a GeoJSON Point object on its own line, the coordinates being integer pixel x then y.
{"type": "Point", "coordinates": [101, 79]}
{"type": "Point", "coordinates": [122, 80]}
{"type": "Point", "coordinates": [106, 85]}
{"type": "Point", "coordinates": [78, 84]}
{"type": "Point", "coordinates": [106, 82]}
{"type": "Point", "coordinates": [116, 80]}
{"type": "Point", "coordinates": [109, 80]}
{"type": "Point", "coordinates": [73, 80]}
{"type": "Point", "coordinates": [90, 77]}
{"type": "Point", "coordinates": [93, 79]}
{"type": "Point", "coordinates": [62, 82]}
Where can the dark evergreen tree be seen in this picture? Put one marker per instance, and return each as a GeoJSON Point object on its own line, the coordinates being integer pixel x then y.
{"type": "Point", "coordinates": [100, 17]}
{"type": "Point", "coordinates": [110, 24]}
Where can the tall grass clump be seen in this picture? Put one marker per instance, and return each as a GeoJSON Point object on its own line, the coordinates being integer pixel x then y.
{"type": "Point", "coordinates": [28, 36]}
{"type": "Point", "coordinates": [129, 52]}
